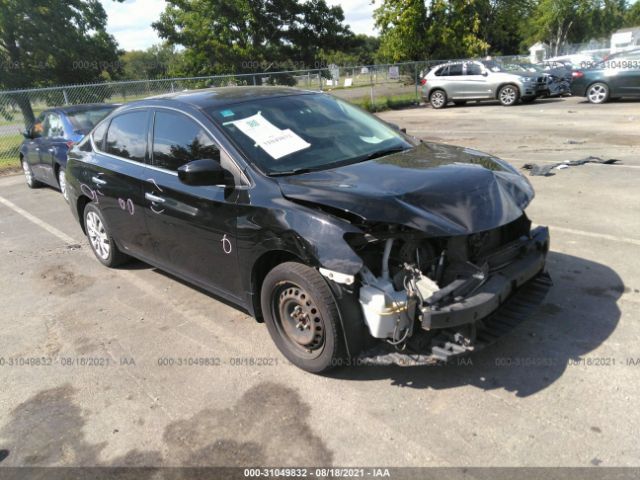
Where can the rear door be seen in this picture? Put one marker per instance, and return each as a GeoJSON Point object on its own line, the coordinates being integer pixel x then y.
{"type": "Point", "coordinates": [193, 227]}
{"type": "Point", "coordinates": [454, 81]}
{"type": "Point", "coordinates": [115, 181]}
{"type": "Point", "coordinates": [33, 146]}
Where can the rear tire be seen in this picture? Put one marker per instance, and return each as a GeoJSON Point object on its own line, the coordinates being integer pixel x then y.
{"type": "Point", "coordinates": [598, 93]}
{"type": "Point", "coordinates": [100, 240]}
{"type": "Point", "coordinates": [509, 95]}
{"type": "Point", "coordinates": [438, 99]}
{"type": "Point", "coordinates": [302, 317]}
{"type": "Point", "coordinates": [28, 174]}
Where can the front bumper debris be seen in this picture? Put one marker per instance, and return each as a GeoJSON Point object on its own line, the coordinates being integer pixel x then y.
{"type": "Point", "coordinates": [516, 285]}
{"type": "Point", "coordinates": [509, 269]}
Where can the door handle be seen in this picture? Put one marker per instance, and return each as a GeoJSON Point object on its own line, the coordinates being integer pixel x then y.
{"type": "Point", "coordinates": [153, 198]}
{"type": "Point", "coordinates": [98, 181]}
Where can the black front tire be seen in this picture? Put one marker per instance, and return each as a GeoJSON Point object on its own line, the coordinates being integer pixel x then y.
{"type": "Point", "coordinates": [302, 317]}
{"type": "Point", "coordinates": [100, 239]}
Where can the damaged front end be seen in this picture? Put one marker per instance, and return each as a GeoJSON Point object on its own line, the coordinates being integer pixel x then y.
{"type": "Point", "coordinates": [430, 299]}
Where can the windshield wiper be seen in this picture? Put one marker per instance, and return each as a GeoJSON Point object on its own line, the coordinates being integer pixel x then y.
{"type": "Point", "coordinates": [384, 152]}
{"type": "Point", "coordinates": [294, 171]}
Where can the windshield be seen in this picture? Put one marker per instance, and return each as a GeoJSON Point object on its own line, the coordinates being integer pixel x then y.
{"type": "Point", "coordinates": [296, 133]}
{"type": "Point", "coordinates": [84, 120]}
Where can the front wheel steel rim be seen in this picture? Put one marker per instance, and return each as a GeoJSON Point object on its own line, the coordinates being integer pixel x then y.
{"type": "Point", "coordinates": [98, 236]}
{"type": "Point", "coordinates": [298, 320]}
{"type": "Point", "coordinates": [437, 99]}
{"type": "Point", "coordinates": [508, 95]}
{"type": "Point", "coordinates": [597, 93]}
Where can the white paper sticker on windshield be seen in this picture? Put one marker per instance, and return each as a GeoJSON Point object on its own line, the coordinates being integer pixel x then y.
{"type": "Point", "coordinates": [277, 143]}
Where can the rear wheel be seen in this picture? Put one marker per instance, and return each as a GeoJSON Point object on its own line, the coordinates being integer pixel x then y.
{"type": "Point", "coordinates": [28, 175]}
{"type": "Point", "coordinates": [101, 241]}
{"type": "Point", "coordinates": [438, 99]}
{"type": "Point", "coordinates": [509, 95]}
{"type": "Point", "coordinates": [302, 317]}
{"type": "Point", "coordinates": [598, 93]}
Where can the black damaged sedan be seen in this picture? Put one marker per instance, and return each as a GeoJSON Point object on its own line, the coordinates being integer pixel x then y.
{"type": "Point", "coordinates": [352, 241]}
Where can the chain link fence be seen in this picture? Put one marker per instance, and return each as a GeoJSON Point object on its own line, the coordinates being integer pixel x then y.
{"type": "Point", "coordinates": [373, 87]}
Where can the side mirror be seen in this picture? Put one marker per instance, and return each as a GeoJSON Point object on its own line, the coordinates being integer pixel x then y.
{"type": "Point", "coordinates": [203, 172]}
{"type": "Point", "coordinates": [485, 73]}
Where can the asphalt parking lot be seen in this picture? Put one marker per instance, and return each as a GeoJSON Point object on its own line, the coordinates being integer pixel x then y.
{"type": "Point", "coordinates": [562, 390]}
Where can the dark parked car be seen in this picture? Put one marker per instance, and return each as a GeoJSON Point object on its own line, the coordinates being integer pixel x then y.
{"type": "Point", "coordinates": [343, 234]}
{"type": "Point", "coordinates": [43, 154]}
{"type": "Point", "coordinates": [617, 76]}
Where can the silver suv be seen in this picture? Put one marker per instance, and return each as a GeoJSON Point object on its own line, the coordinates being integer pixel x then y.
{"type": "Point", "coordinates": [471, 80]}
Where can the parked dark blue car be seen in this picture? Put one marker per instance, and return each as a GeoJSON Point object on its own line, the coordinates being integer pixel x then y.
{"type": "Point", "coordinates": [43, 154]}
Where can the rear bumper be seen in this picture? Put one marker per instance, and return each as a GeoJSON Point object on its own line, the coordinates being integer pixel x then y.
{"type": "Point", "coordinates": [523, 260]}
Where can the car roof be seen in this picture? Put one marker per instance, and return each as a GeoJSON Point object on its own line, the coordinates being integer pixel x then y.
{"type": "Point", "coordinates": [222, 96]}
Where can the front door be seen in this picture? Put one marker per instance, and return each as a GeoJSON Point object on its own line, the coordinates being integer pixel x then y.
{"type": "Point", "coordinates": [193, 227]}
{"type": "Point", "coordinates": [475, 81]}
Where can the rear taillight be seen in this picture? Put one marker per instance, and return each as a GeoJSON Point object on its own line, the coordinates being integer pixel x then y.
{"type": "Point", "coordinates": [70, 144]}
{"type": "Point", "coordinates": [577, 74]}
{"type": "Point", "coordinates": [423, 81]}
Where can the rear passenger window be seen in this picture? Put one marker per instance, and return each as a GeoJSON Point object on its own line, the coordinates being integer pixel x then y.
{"type": "Point", "coordinates": [127, 136]}
{"type": "Point", "coordinates": [455, 69]}
{"type": "Point", "coordinates": [178, 140]}
{"type": "Point", "coordinates": [442, 72]}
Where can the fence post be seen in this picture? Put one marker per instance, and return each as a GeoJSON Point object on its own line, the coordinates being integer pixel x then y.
{"type": "Point", "coordinates": [66, 97]}
{"type": "Point", "coordinates": [373, 97]}
{"type": "Point", "coordinates": [415, 68]}
{"type": "Point", "coordinates": [320, 79]}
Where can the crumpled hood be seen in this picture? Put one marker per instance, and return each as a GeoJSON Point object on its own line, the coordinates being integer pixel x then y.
{"type": "Point", "coordinates": [438, 189]}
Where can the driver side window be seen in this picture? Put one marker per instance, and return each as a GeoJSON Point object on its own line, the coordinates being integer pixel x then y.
{"type": "Point", "coordinates": [177, 140]}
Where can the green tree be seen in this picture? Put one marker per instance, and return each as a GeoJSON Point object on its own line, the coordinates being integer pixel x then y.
{"type": "Point", "coordinates": [632, 16]}
{"type": "Point", "coordinates": [235, 36]}
{"type": "Point", "coordinates": [558, 22]}
{"type": "Point", "coordinates": [52, 42]}
{"type": "Point", "coordinates": [158, 61]}
{"type": "Point", "coordinates": [445, 29]}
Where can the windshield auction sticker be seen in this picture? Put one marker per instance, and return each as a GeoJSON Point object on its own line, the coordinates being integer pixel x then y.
{"type": "Point", "coordinates": [276, 142]}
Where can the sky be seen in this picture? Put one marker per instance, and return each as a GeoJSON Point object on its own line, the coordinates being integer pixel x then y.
{"type": "Point", "coordinates": [130, 22]}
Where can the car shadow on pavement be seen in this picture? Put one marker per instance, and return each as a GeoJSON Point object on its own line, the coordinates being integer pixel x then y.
{"type": "Point", "coordinates": [580, 313]}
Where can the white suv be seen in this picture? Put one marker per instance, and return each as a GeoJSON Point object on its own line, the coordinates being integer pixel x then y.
{"type": "Point", "coordinates": [472, 80]}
